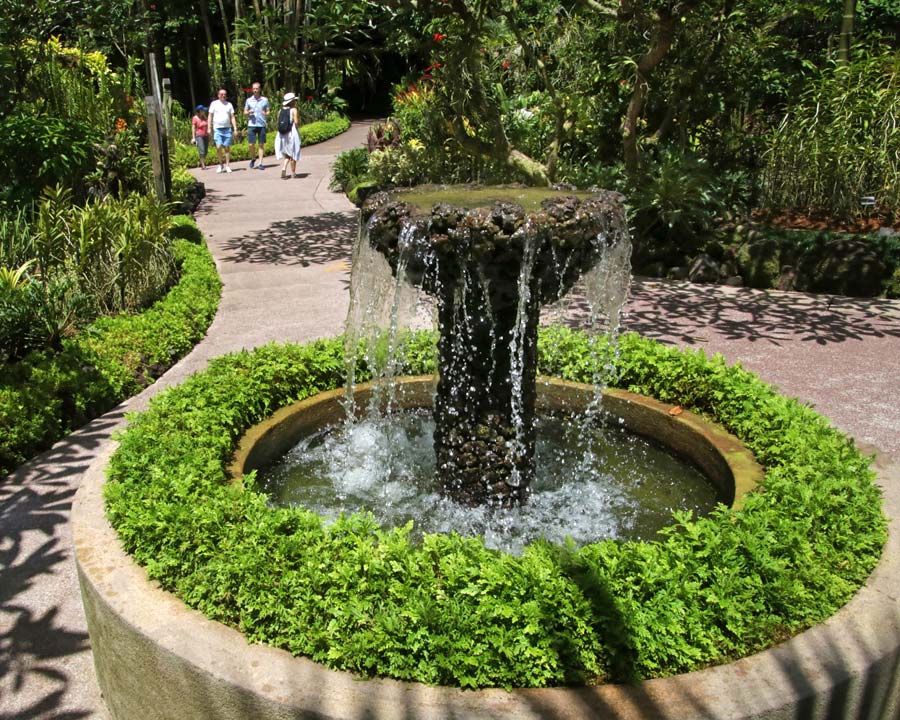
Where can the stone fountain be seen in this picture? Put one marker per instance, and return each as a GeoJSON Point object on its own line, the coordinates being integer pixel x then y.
{"type": "Point", "coordinates": [496, 265]}
{"type": "Point", "coordinates": [490, 269]}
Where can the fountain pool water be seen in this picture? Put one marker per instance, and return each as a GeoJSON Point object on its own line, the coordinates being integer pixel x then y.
{"type": "Point", "coordinates": [386, 465]}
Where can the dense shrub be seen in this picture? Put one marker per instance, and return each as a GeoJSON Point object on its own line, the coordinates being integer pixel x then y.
{"type": "Point", "coordinates": [184, 228]}
{"type": "Point", "coordinates": [365, 599]}
{"type": "Point", "coordinates": [839, 141]}
{"type": "Point", "coordinates": [322, 130]}
{"type": "Point", "coordinates": [47, 395]}
{"type": "Point", "coordinates": [41, 151]}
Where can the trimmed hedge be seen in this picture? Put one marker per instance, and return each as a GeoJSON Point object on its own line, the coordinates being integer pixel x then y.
{"type": "Point", "coordinates": [449, 611]}
{"type": "Point", "coordinates": [310, 134]}
{"type": "Point", "coordinates": [46, 396]}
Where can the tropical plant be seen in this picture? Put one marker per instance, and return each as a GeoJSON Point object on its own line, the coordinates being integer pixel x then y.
{"type": "Point", "coordinates": [838, 143]}
{"type": "Point", "coordinates": [122, 163]}
{"type": "Point", "coordinates": [675, 201]}
{"type": "Point", "coordinates": [349, 169]}
{"type": "Point", "coordinates": [321, 106]}
{"type": "Point", "coordinates": [15, 236]}
{"type": "Point", "coordinates": [47, 395]}
{"type": "Point", "coordinates": [105, 257]}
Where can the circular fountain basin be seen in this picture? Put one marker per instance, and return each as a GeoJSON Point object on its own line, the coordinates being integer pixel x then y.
{"type": "Point", "coordinates": [157, 659]}
{"type": "Point", "coordinates": [722, 460]}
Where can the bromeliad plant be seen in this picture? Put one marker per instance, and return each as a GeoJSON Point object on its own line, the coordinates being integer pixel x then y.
{"type": "Point", "coordinates": [366, 599]}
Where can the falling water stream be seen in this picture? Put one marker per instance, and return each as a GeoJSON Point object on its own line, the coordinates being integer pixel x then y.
{"type": "Point", "coordinates": [592, 479]}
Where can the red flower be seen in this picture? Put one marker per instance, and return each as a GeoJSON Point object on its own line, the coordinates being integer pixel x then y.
{"type": "Point", "coordinates": [309, 97]}
{"type": "Point", "coordinates": [438, 37]}
{"type": "Point", "coordinates": [505, 65]}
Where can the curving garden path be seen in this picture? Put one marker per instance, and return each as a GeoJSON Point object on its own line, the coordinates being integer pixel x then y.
{"type": "Point", "coordinates": [282, 248]}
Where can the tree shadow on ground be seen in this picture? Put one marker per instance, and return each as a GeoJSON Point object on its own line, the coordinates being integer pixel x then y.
{"type": "Point", "coordinates": [680, 311]}
{"type": "Point", "coordinates": [35, 505]}
{"type": "Point", "coordinates": [303, 240]}
{"type": "Point", "coordinates": [213, 201]}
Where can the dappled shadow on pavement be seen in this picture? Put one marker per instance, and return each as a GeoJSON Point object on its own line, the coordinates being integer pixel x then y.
{"type": "Point", "coordinates": [682, 312]}
{"type": "Point", "coordinates": [305, 240]}
{"type": "Point", "coordinates": [213, 202]}
{"type": "Point", "coordinates": [35, 504]}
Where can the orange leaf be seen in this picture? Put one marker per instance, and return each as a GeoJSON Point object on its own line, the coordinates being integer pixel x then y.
{"type": "Point", "coordinates": [676, 410]}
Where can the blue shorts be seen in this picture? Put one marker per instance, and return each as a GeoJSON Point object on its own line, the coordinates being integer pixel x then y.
{"type": "Point", "coordinates": [222, 137]}
{"type": "Point", "coordinates": [256, 132]}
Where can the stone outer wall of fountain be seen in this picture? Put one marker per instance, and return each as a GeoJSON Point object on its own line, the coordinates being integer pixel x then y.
{"type": "Point", "coordinates": [158, 660]}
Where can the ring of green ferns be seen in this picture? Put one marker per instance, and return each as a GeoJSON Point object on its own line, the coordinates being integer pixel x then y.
{"type": "Point", "coordinates": [449, 611]}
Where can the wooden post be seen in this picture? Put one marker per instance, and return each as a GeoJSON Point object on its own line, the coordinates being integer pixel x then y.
{"type": "Point", "coordinates": [157, 146]}
{"type": "Point", "coordinates": [158, 136]}
{"type": "Point", "coordinates": [167, 108]}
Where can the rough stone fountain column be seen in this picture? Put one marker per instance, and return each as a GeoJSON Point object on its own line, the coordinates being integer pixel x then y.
{"type": "Point", "coordinates": [490, 269]}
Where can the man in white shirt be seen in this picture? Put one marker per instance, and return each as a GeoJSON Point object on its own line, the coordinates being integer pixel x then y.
{"type": "Point", "coordinates": [224, 127]}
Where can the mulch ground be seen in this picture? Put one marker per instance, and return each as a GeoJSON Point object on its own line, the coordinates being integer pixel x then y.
{"type": "Point", "coordinates": [822, 221]}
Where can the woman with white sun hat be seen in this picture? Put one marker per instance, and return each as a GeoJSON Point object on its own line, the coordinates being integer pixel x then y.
{"type": "Point", "coordinates": [287, 142]}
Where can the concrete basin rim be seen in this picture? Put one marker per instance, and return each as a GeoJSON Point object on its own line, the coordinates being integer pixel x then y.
{"type": "Point", "coordinates": [725, 461]}
{"type": "Point", "coordinates": [867, 629]}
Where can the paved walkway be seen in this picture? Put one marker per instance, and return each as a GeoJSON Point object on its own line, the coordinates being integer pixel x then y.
{"type": "Point", "coordinates": [282, 248]}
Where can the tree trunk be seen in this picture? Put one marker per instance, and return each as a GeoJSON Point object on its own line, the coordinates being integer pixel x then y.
{"type": "Point", "coordinates": [303, 19]}
{"type": "Point", "coordinates": [225, 27]}
{"type": "Point", "coordinates": [210, 43]}
{"type": "Point", "coordinates": [537, 173]}
{"type": "Point", "coordinates": [847, 21]}
{"type": "Point", "coordinates": [653, 57]}
{"type": "Point", "coordinates": [189, 67]}
{"type": "Point", "coordinates": [666, 29]}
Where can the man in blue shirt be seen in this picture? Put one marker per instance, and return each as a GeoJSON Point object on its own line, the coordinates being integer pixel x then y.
{"type": "Point", "coordinates": [256, 108]}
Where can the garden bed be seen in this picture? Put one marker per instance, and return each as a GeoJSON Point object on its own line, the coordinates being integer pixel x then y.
{"type": "Point", "coordinates": [357, 597]}
{"type": "Point", "coordinates": [48, 395]}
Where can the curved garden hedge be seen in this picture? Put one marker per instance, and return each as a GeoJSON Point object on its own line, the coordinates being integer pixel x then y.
{"type": "Point", "coordinates": [48, 395]}
{"type": "Point", "coordinates": [357, 597]}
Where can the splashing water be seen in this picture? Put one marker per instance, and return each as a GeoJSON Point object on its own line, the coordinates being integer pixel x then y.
{"type": "Point", "coordinates": [483, 276]}
{"type": "Point", "coordinates": [386, 466]}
